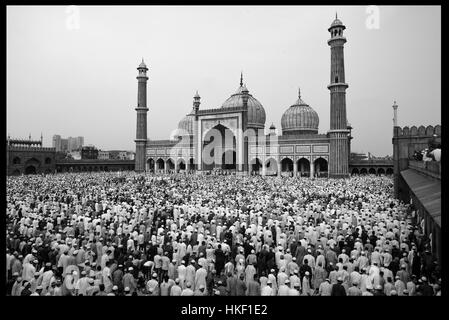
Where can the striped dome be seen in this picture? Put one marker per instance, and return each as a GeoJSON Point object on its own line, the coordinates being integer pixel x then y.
{"type": "Point", "coordinates": [300, 118]}
{"type": "Point", "coordinates": [256, 112]}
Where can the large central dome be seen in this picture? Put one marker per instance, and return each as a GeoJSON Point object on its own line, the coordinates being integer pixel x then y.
{"type": "Point", "coordinates": [256, 112]}
{"type": "Point", "coordinates": [300, 118]}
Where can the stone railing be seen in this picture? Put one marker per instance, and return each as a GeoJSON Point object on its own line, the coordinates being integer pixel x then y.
{"type": "Point", "coordinates": [31, 148]}
{"type": "Point", "coordinates": [429, 168]}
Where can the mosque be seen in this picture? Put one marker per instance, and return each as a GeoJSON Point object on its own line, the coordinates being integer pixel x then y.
{"type": "Point", "coordinates": [233, 136]}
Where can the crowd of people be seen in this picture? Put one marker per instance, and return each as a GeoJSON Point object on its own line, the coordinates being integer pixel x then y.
{"type": "Point", "coordinates": [103, 233]}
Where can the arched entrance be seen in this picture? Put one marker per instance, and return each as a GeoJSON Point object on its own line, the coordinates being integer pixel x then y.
{"type": "Point", "coordinates": [256, 166]}
{"type": "Point", "coordinates": [363, 171]}
{"type": "Point", "coordinates": [304, 167]}
{"type": "Point", "coordinates": [287, 165]}
{"type": "Point", "coordinates": [380, 171]}
{"type": "Point", "coordinates": [271, 167]}
{"type": "Point", "coordinates": [372, 171]}
{"type": "Point", "coordinates": [16, 172]}
{"type": "Point", "coordinates": [181, 165]}
{"type": "Point", "coordinates": [30, 170]}
{"type": "Point", "coordinates": [150, 165]}
{"type": "Point", "coordinates": [170, 164]}
{"type": "Point", "coordinates": [31, 166]}
{"type": "Point", "coordinates": [160, 164]}
{"type": "Point", "coordinates": [355, 171]}
{"type": "Point", "coordinates": [320, 167]}
{"type": "Point", "coordinates": [389, 171]}
{"type": "Point", "coordinates": [219, 149]}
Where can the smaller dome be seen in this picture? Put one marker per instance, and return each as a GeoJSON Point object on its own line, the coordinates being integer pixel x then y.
{"type": "Point", "coordinates": [336, 22]}
{"type": "Point", "coordinates": [272, 127]}
{"type": "Point", "coordinates": [197, 95]}
{"type": "Point", "coordinates": [300, 118]}
{"type": "Point", "coordinates": [186, 124]}
{"type": "Point", "coordinates": [142, 64]}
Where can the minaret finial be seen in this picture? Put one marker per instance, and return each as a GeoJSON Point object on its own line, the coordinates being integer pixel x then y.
{"type": "Point", "coordinates": [299, 93]}
{"type": "Point", "coordinates": [241, 78]}
{"type": "Point", "coordinates": [336, 17]}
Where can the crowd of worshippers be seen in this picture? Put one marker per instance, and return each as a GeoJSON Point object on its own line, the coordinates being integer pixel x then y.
{"type": "Point", "coordinates": [87, 234]}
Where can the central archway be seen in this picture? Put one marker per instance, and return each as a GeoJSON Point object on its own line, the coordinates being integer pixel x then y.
{"type": "Point", "coordinates": [31, 166]}
{"type": "Point", "coordinates": [219, 149]}
{"type": "Point", "coordinates": [30, 170]}
{"type": "Point", "coordinates": [229, 160]}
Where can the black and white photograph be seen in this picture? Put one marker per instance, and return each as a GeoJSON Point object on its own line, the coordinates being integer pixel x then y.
{"type": "Point", "coordinates": [264, 150]}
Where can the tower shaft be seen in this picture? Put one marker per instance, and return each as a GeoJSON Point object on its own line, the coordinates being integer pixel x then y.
{"type": "Point", "coordinates": [339, 133]}
{"type": "Point", "coordinates": [141, 125]}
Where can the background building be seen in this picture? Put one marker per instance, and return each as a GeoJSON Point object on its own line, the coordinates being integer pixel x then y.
{"type": "Point", "coordinates": [67, 145]}
{"type": "Point", "coordinates": [299, 150]}
{"type": "Point", "coordinates": [103, 155]}
{"type": "Point", "coordinates": [89, 152]}
{"type": "Point", "coordinates": [29, 157]}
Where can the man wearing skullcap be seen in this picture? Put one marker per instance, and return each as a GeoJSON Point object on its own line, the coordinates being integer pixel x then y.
{"type": "Point", "coordinates": [354, 290]}
{"type": "Point", "coordinates": [176, 289]}
{"type": "Point", "coordinates": [129, 280]}
{"type": "Point", "coordinates": [187, 291]}
{"type": "Point", "coordinates": [268, 290]}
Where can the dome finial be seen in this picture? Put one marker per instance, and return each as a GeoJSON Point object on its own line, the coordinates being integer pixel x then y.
{"type": "Point", "coordinates": [336, 17]}
{"type": "Point", "coordinates": [241, 78]}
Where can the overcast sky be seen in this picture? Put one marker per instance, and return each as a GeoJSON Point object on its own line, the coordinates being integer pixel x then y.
{"type": "Point", "coordinates": [81, 81]}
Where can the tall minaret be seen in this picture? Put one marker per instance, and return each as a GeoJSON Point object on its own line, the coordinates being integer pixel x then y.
{"type": "Point", "coordinates": [395, 114]}
{"type": "Point", "coordinates": [338, 133]}
{"type": "Point", "coordinates": [141, 127]}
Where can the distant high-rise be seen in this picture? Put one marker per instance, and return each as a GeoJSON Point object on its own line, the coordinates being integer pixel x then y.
{"type": "Point", "coordinates": [67, 145]}
{"type": "Point", "coordinates": [56, 142]}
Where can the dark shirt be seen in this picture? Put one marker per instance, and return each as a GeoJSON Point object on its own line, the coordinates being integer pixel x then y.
{"type": "Point", "coordinates": [338, 290]}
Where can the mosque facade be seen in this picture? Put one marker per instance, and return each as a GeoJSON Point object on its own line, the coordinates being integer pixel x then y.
{"type": "Point", "coordinates": [232, 137]}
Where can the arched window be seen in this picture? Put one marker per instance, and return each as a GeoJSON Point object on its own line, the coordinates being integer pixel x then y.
{"type": "Point", "coordinates": [16, 160]}
{"type": "Point", "coordinates": [336, 79]}
{"type": "Point", "coordinates": [47, 161]}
